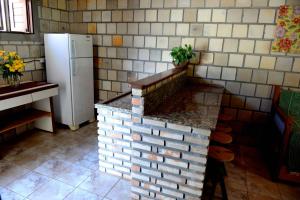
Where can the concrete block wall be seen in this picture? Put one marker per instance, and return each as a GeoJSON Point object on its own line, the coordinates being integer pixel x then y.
{"type": "Point", "coordinates": [52, 16]}
{"type": "Point", "coordinates": [133, 39]}
{"type": "Point", "coordinates": [114, 141]}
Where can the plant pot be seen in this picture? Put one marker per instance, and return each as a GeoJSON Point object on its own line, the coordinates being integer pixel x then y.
{"type": "Point", "coordinates": [181, 64]}
{"type": "Point", "coordinates": [13, 81]}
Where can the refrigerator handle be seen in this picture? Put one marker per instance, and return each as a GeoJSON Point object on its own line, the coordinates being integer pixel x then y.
{"type": "Point", "coordinates": [73, 48]}
{"type": "Point", "coordinates": [73, 68]}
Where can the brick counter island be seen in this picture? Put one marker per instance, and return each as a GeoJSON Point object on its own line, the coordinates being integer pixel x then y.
{"type": "Point", "coordinates": [157, 135]}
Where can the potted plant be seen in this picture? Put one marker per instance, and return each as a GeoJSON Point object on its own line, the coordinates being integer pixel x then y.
{"type": "Point", "coordinates": [182, 55]}
{"type": "Point", "coordinates": [11, 67]}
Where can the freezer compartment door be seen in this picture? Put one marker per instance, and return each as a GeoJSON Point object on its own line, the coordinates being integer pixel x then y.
{"type": "Point", "coordinates": [82, 84]}
{"type": "Point", "coordinates": [81, 46]}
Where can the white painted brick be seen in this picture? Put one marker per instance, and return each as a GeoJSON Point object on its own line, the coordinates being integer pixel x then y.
{"type": "Point", "coordinates": [139, 191]}
{"type": "Point", "coordinates": [175, 145]}
{"type": "Point", "coordinates": [199, 149]}
{"type": "Point", "coordinates": [172, 193]}
{"type": "Point", "coordinates": [151, 172]}
{"type": "Point", "coordinates": [196, 139]}
{"type": "Point", "coordinates": [176, 163]}
{"type": "Point", "coordinates": [141, 146]}
{"type": "Point", "coordinates": [205, 132]}
{"type": "Point", "coordinates": [122, 143]}
{"type": "Point", "coordinates": [152, 140]}
{"type": "Point", "coordinates": [141, 129]}
{"type": "Point", "coordinates": [193, 175]}
{"type": "Point", "coordinates": [105, 164]}
{"type": "Point", "coordinates": [177, 179]}
{"type": "Point", "coordinates": [198, 184]}
{"type": "Point", "coordinates": [113, 160]}
{"type": "Point", "coordinates": [104, 139]}
{"type": "Point", "coordinates": [122, 169]}
{"type": "Point", "coordinates": [190, 190]}
{"type": "Point", "coordinates": [122, 156]}
{"type": "Point", "coordinates": [168, 169]}
{"type": "Point", "coordinates": [171, 135]}
{"type": "Point", "coordinates": [140, 162]}
{"type": "Point", "coordinates": [167, 183]}
{"type": "Point", "coordinates": [179, 127]}
{"type": "Point", "coordinates": [195, 158]}
{"type": "Point", "coordinates": [153, 122]}
{"type": "Point", "coordinates": [122, 129]}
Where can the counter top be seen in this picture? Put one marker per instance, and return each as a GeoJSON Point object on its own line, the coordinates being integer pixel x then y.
{"type": "Point", "coordinates": [194, 105]}
{"type": "Point", "coordinates": [122, 101]}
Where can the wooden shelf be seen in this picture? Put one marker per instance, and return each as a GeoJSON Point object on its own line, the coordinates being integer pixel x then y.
{"type": "Point", "coordinates": [21, 118]}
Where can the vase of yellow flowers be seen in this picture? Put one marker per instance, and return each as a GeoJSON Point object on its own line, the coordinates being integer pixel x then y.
{"type": "Point", "coordinates": [11, 67]}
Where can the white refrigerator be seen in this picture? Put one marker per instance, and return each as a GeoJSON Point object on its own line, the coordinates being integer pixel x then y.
{"type": "Point", "coordinates": [69, 63]}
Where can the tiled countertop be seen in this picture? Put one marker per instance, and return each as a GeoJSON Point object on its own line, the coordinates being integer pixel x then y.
{"type": "Point", "coordinates": [122, 102]}
{"type": "Point", "coordinates": [194, 105]}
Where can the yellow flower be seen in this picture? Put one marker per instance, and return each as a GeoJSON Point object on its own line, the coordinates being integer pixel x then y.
{"type": "Point", "coordinates": [5, 58]}
{"type": "Point", "coordinates": [2, 52]}
{"type": "Point", "coordinates": [12, 54]}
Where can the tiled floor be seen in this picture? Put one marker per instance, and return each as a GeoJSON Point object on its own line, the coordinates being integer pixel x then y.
{"type": "Point", "coordinates": [43, 166]}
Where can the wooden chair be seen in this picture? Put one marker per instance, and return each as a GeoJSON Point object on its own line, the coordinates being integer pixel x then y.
{"type": "Point", "coordinates": [221, 138]}
{"type": "Point", "coordinates": [278, 142]}
{"type": "Point", "coordinates": [217, 156]}
{"type": "Point", "coordinates": [221, 127]}
{"type": "Point", "coordinates": [225, 118]}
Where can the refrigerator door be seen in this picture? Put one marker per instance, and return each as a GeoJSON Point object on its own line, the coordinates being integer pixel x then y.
{"type": "Point", "coordinates": [57, 71]}
{"type": "Point", "coordinates": [82, 84]}
{"type": "Point", "coordinates": [81, 46]}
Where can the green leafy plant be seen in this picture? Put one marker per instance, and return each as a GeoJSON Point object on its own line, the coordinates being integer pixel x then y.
{"type": "Point", "coordinates": [182, 54]}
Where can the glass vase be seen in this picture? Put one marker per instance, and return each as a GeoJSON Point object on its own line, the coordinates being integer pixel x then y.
{"type": "Point", "coordinates": [13, 81]}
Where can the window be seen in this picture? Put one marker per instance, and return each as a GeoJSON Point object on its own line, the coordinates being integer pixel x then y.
{"type": "Point", "coordinates": [16, 16]}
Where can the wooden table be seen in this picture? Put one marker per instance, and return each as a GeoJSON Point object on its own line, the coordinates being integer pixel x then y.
{"type": "Point", "coordinates": [38, 95]}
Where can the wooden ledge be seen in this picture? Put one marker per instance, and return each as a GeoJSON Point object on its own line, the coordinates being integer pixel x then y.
{"type": "Point", "coordinates": [151, 80]}
{"type": "Point", "coordinates": [24, 88]}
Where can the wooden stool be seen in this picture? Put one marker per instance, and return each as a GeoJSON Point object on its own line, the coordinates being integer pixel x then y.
{"type": "Point", "coordinates": [225, 117]}
{"type": "Point", "coordinates": [217, 156]}
{"type": "Point", "coordinates": [221, 137]}
{"type": "Point", "coordinates": [223, 128]}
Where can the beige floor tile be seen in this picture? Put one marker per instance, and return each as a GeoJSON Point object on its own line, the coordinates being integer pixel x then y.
{"type": "Point", "coordinates": [120, 191]}
{"type": "Point", "coordinates": [28, 183]}
{"type": "Point", "coordinates": [54, 190]}
{"type": "Point", "coordinates": [99, 183]}
{"type": "Point", "coordinates": [64, 171]}
{"type": "Point", "coordinates": [79, 194]}
{"type": "Point", "coordinates": [9, 195]}
{"type": "Point", "coordinates": [10, 172]}
{"type": "Point", "coordinates": [261, 186]}
{"type": "Point", "coordinates": [289, 192]}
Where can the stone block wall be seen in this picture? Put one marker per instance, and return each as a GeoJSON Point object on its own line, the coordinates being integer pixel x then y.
{"type": "Point", "coordinates": [133, 39]}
